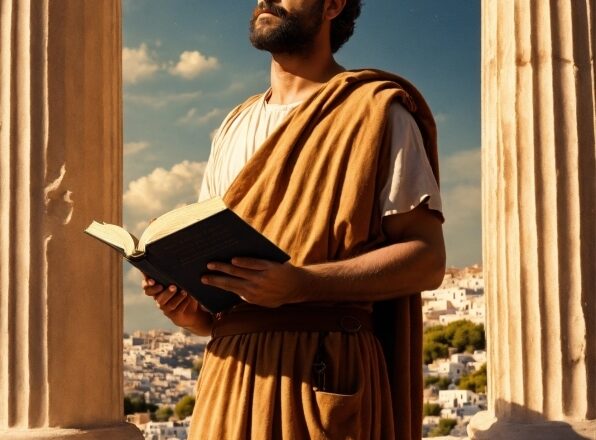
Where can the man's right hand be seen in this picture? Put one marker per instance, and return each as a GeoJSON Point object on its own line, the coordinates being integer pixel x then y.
{"type": "Point", "coordinates": [181, 308]}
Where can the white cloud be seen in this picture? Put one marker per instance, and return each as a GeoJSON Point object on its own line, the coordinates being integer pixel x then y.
{"type": "Point", "coordinates": [132, 286]}
{"type": "Point", "coordinates": [191, 117]}
{"type": "Point", "coordinates": [161, 191]}
{"type": "Point", "coordinates": [461, 194]}
{"type": "Point", "coordinates": [461, 203]}
{"type": "Point", "coordinates": [140, 311]}
{"type": "Point", "coordinates": [137, 64]}
{"type": "Point", "coordinates": [192, 64]}
{"type": "Point", "coordinates": [441, 118]}
{"type": "Point", "coordinates": [158, 101]}
{"type": "Point", "coordinates": [463, 225]}
{"type": "Point", "coordinates": [133, 276]}
{"type": "Point", "coordinates": [461, 167]}
{"type": "Point", "coordinates": [131, 148]}
{"type": "Point", "coordinates": [146, 198]}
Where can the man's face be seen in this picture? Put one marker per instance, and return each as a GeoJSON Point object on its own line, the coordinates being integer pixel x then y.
{"type": "Point", "coordinates": [279, 30]}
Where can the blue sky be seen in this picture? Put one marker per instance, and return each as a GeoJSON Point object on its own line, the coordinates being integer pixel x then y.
{"type": "Point", "coordinates": [188, 62]}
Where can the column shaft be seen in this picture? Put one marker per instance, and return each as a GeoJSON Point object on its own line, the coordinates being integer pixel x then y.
{"type": "Point", "coordinates": [539, 198]}
{"type": "Point", "coordinates": [60, 168]}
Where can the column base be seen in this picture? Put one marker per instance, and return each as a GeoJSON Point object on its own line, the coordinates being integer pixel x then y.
{"type": "Point", "coordinates": [485, 426]}
{"type": "Point", "coordinates": [122, 431]}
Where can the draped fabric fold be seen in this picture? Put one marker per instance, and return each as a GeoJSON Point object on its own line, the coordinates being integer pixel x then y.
{"type": "Point", "coordinates": [312, 188]}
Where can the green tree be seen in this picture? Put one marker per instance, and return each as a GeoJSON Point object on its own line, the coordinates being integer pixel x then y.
{"type": "Point", "coordinates": [430, 380]}
{"type": "Point", "coordinates": [135, 403]}
{"type": "Point", "coordinates": [184, 407]}
{"type": "Point", "coordinates": [434, 350]}
{"type": "Point", "coordinates": [163, 413]}
{"type": "Point", "coordinates": [437, 333]}
{"type": "Point", "coordinates": [443, 428]}
{"type": "Point", "coordinates": [442, 383]}
{"type": "Point", "coordinates": [127, 406]}
{"type": "Point", "coordinates": [475, 381]}
{"type": "Point", "coordinates": [432, 409]}
{"type": "Point", "coordinates": [466, 336]}
{"type": "Point", "coordinates": [463, 335]}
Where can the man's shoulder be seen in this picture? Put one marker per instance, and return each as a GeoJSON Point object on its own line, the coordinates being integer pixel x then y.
{"type": "Point", "coordinates": [251, 100]}
{"type": "Point", "coordinates": [231, 116]}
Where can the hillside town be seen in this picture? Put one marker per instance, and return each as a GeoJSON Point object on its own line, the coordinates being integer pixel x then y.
{"type": "Point", "coordinates": [161, 367]}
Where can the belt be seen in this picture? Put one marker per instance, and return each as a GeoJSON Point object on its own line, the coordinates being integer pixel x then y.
{"type": "Point", "coordinates": [291, 319]}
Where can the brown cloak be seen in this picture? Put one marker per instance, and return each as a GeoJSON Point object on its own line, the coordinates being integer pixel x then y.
{"type": "Point", "coordinates": [313, 188]}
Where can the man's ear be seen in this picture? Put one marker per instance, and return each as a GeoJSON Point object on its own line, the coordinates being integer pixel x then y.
{"type": "Point", "coordinates": [333, 8]}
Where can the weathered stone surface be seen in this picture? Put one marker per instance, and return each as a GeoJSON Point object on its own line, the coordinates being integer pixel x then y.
{"type": "Point", "coordinates": [539, 199]}
{"type": "Point", "coordinates": [122, 431]}
{"type": "Point", "coordinates": [60, 168]}
{"type": "Point", "coordinates": [487, 427]}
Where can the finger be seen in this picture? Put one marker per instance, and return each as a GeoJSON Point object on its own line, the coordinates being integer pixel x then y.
{"type": "Point", "coordinates": [192, 306]}
{"type": "Point", "coordinates": [147, 282]}
{"type": "Point", "coordinates": [153, 290]}
{"type": "Point", "coordinates": [163, 298]}
{"type": "Point", "coordinates": [176, 301]}
{"type": "Point", "coordinates": [147, 277]}
{"type": "Point", "coordinates": [249, 298]}
{"type": "Point", "coordinates": [231, 284]}
{"type": "Point", "coordinates": [184, 308]}
{"type": "Point", "coordinates": [235, 271]}
{"type": "Point", "coordinates": [252, 263]}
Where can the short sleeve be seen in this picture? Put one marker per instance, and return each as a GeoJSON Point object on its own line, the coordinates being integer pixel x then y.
{"type": "Point", "coordinates": [205, 192]}
{"type": "Point", "coordinates": [208, 185]}
{"type": "Point", "coordinates": [411, 181]}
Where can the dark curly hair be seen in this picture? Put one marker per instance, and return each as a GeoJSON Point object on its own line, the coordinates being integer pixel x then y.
{"type": "Point", "coordinates": [342, 26]}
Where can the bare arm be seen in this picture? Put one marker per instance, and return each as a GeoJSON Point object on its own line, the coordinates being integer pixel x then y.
{"type": "Point", "coordinates": [413, 261]}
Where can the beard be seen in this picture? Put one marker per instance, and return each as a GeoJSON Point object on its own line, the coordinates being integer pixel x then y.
{"type": "Point", "coordinates": [293, 33]}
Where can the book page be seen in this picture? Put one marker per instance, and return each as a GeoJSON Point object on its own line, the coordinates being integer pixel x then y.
{"type": "Point", "coordinates": [115, 236]}
{"type": "Point", "coordinates": [178, 219]}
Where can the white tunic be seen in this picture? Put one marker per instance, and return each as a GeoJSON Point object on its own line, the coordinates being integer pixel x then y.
{"type": "Point", "coordinates": [410, 183]}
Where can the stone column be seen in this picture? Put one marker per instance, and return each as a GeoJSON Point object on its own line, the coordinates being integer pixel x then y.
{"type": "Point", "coordinates": [60, 167]}
{"type": "Point", "coordinates": [539, 198]}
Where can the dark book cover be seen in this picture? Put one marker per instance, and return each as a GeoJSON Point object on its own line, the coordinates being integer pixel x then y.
{"type": "Point", "coordinates": [181, 258]}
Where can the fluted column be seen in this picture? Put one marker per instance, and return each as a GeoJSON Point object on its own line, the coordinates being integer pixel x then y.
{"type": "Point", "coordinates": [60, 167]}
{"type": "Point", "coordinates": [539, 219]}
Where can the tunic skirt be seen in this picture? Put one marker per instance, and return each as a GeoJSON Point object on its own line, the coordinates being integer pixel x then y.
{"type": "Point", "coordinates": [261, 386]}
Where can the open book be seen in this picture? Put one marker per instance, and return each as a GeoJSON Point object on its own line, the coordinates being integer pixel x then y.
{"type": "Point", "coordinates": [176, 247]}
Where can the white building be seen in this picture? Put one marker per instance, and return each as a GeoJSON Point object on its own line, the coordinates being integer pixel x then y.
{"type": "Point", "coordinates": [179, 338]}
{"type": "Point", "coordinates": [479, 356]}
{"type": "Point", "coordinates": [185, 373]}
{"type": "Point", "coordinates": [459, 398]}
{"type": "Point", "coordinates": [453, 370]}
{"type": "Point", "coordinates": [167, 430]}
{"type": "Point", "coordinates": [465, 411]}
{"type": "Point", "coordinates": [474, 283]}
{"type": "Point", "coordinates": [455, 295]}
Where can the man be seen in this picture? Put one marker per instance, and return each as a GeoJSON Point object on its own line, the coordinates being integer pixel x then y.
{"type": "Point", "coordinates": [339, 169]}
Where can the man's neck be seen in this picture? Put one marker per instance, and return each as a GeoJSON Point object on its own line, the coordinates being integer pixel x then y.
{"type": "Point", "coordinates": [295, 77]}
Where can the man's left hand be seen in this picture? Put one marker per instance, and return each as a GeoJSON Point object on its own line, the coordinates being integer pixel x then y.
{"type": "Point", "coordinates": [261, 282]}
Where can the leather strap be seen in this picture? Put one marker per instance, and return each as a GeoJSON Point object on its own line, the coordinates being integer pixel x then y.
{"type": "Point", "coordinates": [292, 319]}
